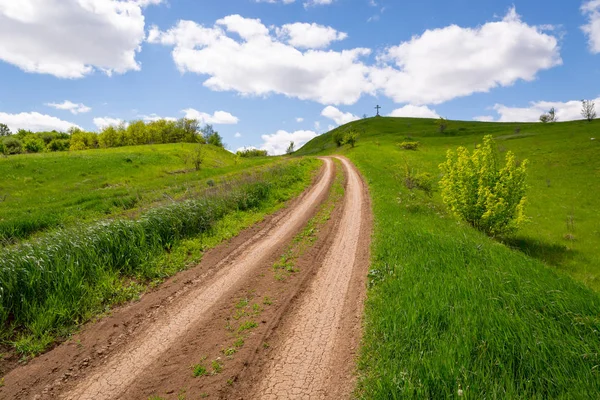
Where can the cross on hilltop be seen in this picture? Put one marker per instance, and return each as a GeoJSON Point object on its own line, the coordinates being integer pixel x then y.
{"type": "Point", "coordinates": [378, 108]}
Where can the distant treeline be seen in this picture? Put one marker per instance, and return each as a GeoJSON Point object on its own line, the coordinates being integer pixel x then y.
{"type": "Point", "coordinates": [136, 133]}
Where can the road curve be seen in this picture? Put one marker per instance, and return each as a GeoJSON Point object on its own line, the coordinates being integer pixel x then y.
{"type": "Point", "coordinates": [301, 367]}
{"type": "Point", "coordinates": [110, 380]}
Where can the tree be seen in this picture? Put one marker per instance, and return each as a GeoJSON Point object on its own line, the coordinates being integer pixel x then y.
{"type": "Point", "coordinates": [350, 138]}
{"type": "Point", "coordinates": [338, 138]}
{"type": "Point", "coordinates": [478, 189]}
{"type": "Point", "coordinates": [4, 130]}
{"type": "Point", "coordinates": [290, 148]}
{"type": "Point", "coordinates": [442, 124]}
{"type": "Point", "coordinates": [550, 116]}
{"type": "Point", "coordinates": [211, 136]}
{"type": "Point", "coordinates": [197, 156]}
{"type": "Point", "coordinates": [588, 109]}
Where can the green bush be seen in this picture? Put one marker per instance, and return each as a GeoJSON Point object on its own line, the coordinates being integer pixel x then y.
{"type": "Point", "coordinates": [33, 144]}
{"type": "Point", "coordinates": [409, 145]}
{"type": "Point", "coordinates": [422, 181]}
{"type": "Point", "coordinates": [248, 153]}
{"type": "Point", "coordinates": [58, 145]}
{"type": "Point", "coordinates": [490, 198]}
{"type": "Point", "coordinates": [12, 145]}
{"type": "Point", "coordinates": [338, 138]}
{"type": "Point", "coordinates": [351, 138]}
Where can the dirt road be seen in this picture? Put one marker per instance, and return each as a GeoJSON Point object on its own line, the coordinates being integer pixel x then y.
{"type": "Point", "coordinates": [149, 347]}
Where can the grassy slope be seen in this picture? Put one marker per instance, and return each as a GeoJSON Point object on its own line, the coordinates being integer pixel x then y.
{"type": "Point", "coordinates": [44, 190]}
{"type": "Point", "coordinates": [451, 310]}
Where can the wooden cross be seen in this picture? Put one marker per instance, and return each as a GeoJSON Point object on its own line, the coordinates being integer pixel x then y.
{"type": "Point", "coordinates": [378, 108]}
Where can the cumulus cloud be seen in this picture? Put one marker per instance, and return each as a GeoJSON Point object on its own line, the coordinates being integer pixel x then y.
{"type": "Point", "coordinates": [591, 9]}
{"type": "Point", "coordinates": [278, 142]}
{"type": "Point", "coordinates": [243, 55]}
{"type": "Point", "coordinates": [218, 117]}
{"type": "Point", "coordinates": [70, 106]}
{"type": "Point", "coordinates": [565, 111]}
{"type": "Point", "coordinates": [338, 116]}
{"type": "Point", "coordinates": [237, 135]}
{"type": "Point", "coordinates": [155, 117]}
{"type": "Point", "coordinates": [299, 119]}
{"type": "Point", "coordinates": [72, 38]}
{"type": "Point", "coordinates": [309, 36]}
{"type": "Point", "coordinates": [412, 111]}
{"type": "Point", "coordinates": [35, 122]}
{"type": "Point", "coordinates": [239, 54]}
{"type": "Point", "coordinates": [105, 122]}
{"type": "Point", "coordinates": [442, 64]}
{"type": "Point", "coordinates": [484, 118]}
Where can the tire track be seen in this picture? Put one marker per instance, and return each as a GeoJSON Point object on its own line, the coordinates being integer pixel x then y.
{"type": "Point", "coordinates": [302, 366]}
{"type": "Point", "coordinates": [110, 380]}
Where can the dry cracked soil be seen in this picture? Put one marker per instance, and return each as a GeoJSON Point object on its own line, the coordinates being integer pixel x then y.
{"type": "Point", "coordinates": [234, 327]}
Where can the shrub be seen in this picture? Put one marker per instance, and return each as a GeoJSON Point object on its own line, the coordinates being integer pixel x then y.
{"type": "Point", "coordinates": [12, 145]}
{"type": "Point", "coordinates": [248, 153]}
{"type": "Point", "coordinates": [338, 138]}
{"type": "Point", "coordinates": [4, 130]}
{"type": "Point", "coordinates": [550, 116]}
{"type": "Point", "coordinates": [422, 181]}
{"type": "Point", "coordinates": [409, 145]}
{"type": "Point", "coordinates": [476, 189]}
{"type": "Point", "coordinates": [351, 138]}
{"type": "Point", "coordinates": [58, 145]}
{"type": "Point", "coordinates": [290, 149]}
{"type": "Point", "coordinates": [33, 144]}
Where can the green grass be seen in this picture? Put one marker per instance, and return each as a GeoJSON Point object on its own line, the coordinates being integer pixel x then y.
{"type": "Point", "coordinates": [64, 277]}
{"type": "Point", "coordinates": [41, 191]}
{"type": "Point", "coordinates": [450, 309]}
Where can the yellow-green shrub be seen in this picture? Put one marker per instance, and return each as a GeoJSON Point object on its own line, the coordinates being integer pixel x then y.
{"type": "Point", "coordinates": [476, 189]}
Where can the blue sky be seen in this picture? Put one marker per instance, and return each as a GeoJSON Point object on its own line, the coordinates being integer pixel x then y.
{"type": "Point", "coordinates": [268, 72]}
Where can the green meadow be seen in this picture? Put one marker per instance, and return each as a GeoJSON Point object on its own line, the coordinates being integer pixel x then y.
{"type": "Point", "coordinates": [453, 313]}
{"type": "Point", "coordinates": [45, 190]}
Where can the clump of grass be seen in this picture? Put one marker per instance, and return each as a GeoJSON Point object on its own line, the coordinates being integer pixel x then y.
{"type": "Point", "coordinates": [198, 370]}
{"type": "Point", "coordinates": [217, 367]}
{"type": "Point", "coordinates": [409, 145]}
{"type": "Point", "coordinates": [247, 325]}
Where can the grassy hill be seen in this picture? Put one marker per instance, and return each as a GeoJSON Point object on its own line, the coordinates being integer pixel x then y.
{"type": "Point", "coordinates": [40, 191]}
{"type": "Point", "coordinates": [454, 313]}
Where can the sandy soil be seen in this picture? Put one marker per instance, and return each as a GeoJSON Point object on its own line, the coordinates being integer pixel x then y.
{"type": "Point", "coordinates": [303, 344]}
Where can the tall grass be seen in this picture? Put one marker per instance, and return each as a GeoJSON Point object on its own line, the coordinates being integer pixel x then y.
{"type": "Point", "coordinates": [452, 313]}
{"type": "Point", "coordinates": [59, 278]}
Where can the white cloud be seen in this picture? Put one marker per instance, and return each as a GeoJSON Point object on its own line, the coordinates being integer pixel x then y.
{"type": "Point", "coordinates": [242, 55]}
{"type": "Point", "coordinates": [451, 62]}
{"type": "Point", "coordinates": [218, 117]}
{"type": "Point", "coordinates": [484, 118]}
{"type": "Point", "coordinates": [299, 119]}
{"type": "Point", "coordinates": [310, 3]}
{"type": "Point", "coordinates": [259, 64]}
{"type": "Point", "coordinates": [70, 106]}
{"type": "Point", "coordinates": [338, 116]}
{"type": "Point", "coordinates": [309, 36]}
{"type": "Point", "coordinates": [565, 111]}
{"type": "Point", "coordinates": [412, 111]}
{"type": "Point", "coordinates": [237, 135]}
{"type": "Point", "coordinates": [154, 117]}
{"type": "Point", "coordinates": [72, 38]}
{"type": "Point", "coordinates": [277, 143]}
{"type": "Point", "coordinates": [105, 122]}
{"type": "Point", "coordinates": [591, 9]}
{"type": "Point", "coordinates": [34, 121]}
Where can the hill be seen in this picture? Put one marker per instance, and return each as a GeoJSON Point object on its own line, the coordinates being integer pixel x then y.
{"type": "Point", "coordinates": [451, 312]}
{"type": "Point", "coordinates": [41, 191]}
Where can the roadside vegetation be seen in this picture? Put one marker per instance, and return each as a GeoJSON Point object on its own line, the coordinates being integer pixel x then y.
{"type": "Point", "coordinates": [63, 277]}
{"type": "Point", "coordinates": [453, 312]}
